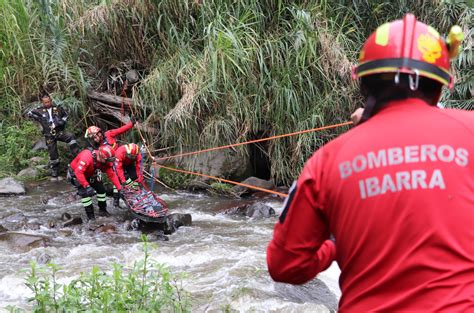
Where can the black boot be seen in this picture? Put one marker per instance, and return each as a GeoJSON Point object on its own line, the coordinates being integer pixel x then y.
{"type": "Point", "coordinates": [103, 209]}
{"type": "Point", "coordinates": [90, 212]}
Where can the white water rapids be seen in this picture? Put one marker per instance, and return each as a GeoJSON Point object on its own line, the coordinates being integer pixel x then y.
{"type": "Point", "coordinates": [223, 256]}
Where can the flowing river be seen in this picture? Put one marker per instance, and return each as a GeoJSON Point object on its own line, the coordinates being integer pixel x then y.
{"type": "Point", "coordinates": [222, 255]}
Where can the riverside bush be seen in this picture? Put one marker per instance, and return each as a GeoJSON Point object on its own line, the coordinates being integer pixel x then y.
{"type": "Point", "coordinates": [146, 287]}
{"type": "Point", "coordinates": [174, 179]}
{"type": "Point", "coordinates": [222, 188]}
{"type": "Point", "coordinates": [15, 147]}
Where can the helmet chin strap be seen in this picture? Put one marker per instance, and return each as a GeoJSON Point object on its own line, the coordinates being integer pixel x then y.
{"type": "Point", "coordinates": [368, 109]}
{"type": "Point", "coordinates": [373, 103]}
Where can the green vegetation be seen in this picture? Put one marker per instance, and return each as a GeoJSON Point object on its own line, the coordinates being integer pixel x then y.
{"type": "Point", "coordinates": [15, 146]}
{"type": "Point", "coordinates": [213, 72]}
{"type": "Point", "coordinates": [222, 188]}
{"type": "Point", "coordinates": [146, 287]}
{"type": "Point", "coordinates": [174, 179]}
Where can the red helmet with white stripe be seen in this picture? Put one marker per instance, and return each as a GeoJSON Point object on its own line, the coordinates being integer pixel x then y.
{"type": "Point", "coordinates": [132, 150]}
{"type": "Point", "coordinates": [92, 131]}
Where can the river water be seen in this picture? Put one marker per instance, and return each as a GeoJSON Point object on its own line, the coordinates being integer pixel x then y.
{"type": "Point", "coordinates": [223, 256]}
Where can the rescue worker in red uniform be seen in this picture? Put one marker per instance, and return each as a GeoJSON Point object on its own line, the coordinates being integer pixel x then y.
{"type": "Point", "coordinates": [127, 164]}
{"type": "Point", "coordinates": [396, 191]}
{"type": "Point", "coordinates": [96, 138]}
{"type": "Point", "coordinates": [85, 173]}
{"type": "Point", "coordinates": [52, 119]}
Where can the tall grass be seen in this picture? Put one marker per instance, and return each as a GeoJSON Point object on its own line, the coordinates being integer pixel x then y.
{"type": "Point", "coordinates": [215, 71]}
{"type": "Point", "coordinates": [37, 54]}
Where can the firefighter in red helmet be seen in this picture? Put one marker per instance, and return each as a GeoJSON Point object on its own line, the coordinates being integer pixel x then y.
{"type": "Point", "coordinates": [97, 138]}
{"type": "Point", "coordinates": [128, 161]}
{"type": "Point", "coordinates": [395, 192]}
{"type": "Point", "coordinates": [85, 173]}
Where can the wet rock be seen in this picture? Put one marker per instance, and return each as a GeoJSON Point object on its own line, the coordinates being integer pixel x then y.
{"type": "Point", "coordinates": [222, 163]}
{"type": "Point", "coordinates": [43, 258]}
{"type": "Point", "coordinates": [66, 216]}
{"type": "Point", "coordinates": [315, 291]}
{"type": "Point", "coordinates": [135, 224]}
{"type": "Point", "coordinates": [29, 172]}
{"type": "Point", "coordinates": [253, 181]}
{"type": "Point", "coordinates": [180, 219]}
{"type": "Point", "coordinates": [260, 210]}
{"type": "Point", "coordinates": [240, 210]}
{"type": "Point", "coordinates": [255, 210]}
{"type": "Point", "coordinates": [10, 186]}
{"type": "Point", "coordinates": [70, 220]}
{"type": "Point", "coordinates": [74, 220]}
{"type": "Point", "coordinates": [23, 241]}
{"type": "Point", "coordinates": [44, 199]}
{"type": "Point", "coordinates": [176, 220]}
{"type": "Point", "coordinates": [127, 225]}
{"type": "Point", "coordinates": [15, 221]}
{"type": "Point", "coordinates": [160, 236]}
{"type": "Point", "coordinates": [166, 225]}
{"type": "Point", "coordinates": [65, 232]}
{"type": "Point", "coordinates": [36, 160]}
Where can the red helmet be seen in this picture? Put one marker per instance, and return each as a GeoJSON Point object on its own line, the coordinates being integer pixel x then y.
{"type": "Point", "coordinates": [91, 131]}
{"type": "Point", "coordinates": [132, 150]}
{"type": "Point", "coordinates": [406, 46]}
{"type": "Point", "coordinates": [106, 153]}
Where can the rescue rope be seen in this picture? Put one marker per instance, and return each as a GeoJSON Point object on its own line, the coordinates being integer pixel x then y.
{"type": "Point", "coordinates": [256, 140]}
{"type": "Point", "coordinates": [224, 180]}
{"type": "Point", "coordinates": [223, 147]}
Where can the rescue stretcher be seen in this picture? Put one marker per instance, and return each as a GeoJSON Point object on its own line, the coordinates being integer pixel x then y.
{"type": "Point", "coordinates": [145, 205]}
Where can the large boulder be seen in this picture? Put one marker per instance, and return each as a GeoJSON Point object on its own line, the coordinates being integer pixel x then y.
{"type": "Point", "coordinates": [28, 172]}
{"type": "Point", "coordinates": [14, 221]}
{"type": "Point", "coordinates": [22, 241]}
{"type": "Point", "coordinates": [255, 210]}
{"type": "Point", "coordinates": [253, 181]}
{"type": "Point", "coordinates": [167, 226]}
{"type": "Point", "coordinates": [35, 161]}
{"type": "Point", "coordinates": [260, 210]}
{"type": "Point", "coordinates": [39, 145]}
{"type": "Point", "coordinates": [10, 186]}
{"type": "Point", "coordinates": [314, 292]}
{"type": "Point", "coordinates": [222, 163]}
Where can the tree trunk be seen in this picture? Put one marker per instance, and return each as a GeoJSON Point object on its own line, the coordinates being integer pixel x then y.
{"type": "Point", "coordinates": [110, 99]}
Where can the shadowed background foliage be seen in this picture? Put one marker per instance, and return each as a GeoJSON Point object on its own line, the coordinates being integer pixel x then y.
{"type": "Point", "coordinates": [212, 72]}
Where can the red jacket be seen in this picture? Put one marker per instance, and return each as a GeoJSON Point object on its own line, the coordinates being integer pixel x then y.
{"type": "Point", "coordinates": [397, 193]}
{"type": "Point", "coordinates": [84, 167]}
{"type": "Point", "coordinates": [111, 134]}
{"type": "Point", "coordinates": [121, 160]}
